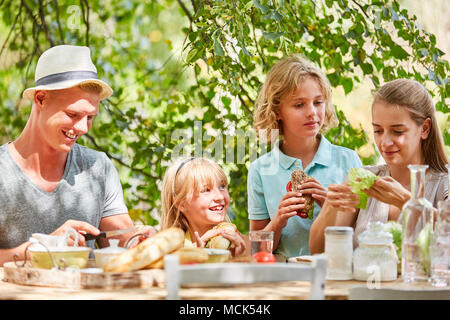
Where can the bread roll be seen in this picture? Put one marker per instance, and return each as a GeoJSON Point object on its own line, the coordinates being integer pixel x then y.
{"type": "Point", "coordinates": [297, 178]}
{"type": "Point", "coordinates": [148, 251]}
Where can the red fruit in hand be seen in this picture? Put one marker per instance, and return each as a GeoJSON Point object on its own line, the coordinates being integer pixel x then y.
{"type": "Point", "coordinates": [289, 187]}
{"type": "Point", "coordinates": [264, 257]}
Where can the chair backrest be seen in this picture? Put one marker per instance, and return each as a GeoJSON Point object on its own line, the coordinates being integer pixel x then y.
{"type": "Point", "coordinates": [365, 293]}
{"type": "Point", "coordinates": [241, 273]}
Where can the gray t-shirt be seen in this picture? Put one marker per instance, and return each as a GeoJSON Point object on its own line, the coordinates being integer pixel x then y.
{"type": "Point", "coordinates": [89, 190]}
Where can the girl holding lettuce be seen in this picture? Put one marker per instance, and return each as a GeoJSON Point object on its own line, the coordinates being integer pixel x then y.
{"type": "Point", "coordinates": [405, 132]}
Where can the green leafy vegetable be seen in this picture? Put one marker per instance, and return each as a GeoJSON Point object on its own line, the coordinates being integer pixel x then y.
{"type": "Point", "coordinates": [395, 229]}
{"type": "Point", "coordinates": [311, 212]}
{"type": "Point", "coordinates": [423, 242]}
{"type": "Point", "coordinates": [360, 179]}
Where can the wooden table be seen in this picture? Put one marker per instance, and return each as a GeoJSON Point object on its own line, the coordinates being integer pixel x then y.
{"type": "Point", "coordinates": [334, 290]}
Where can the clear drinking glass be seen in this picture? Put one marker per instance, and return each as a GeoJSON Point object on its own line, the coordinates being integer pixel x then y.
{"type": "Point", "coordinates": [261, 241]}
{"type": "Point", "coordinates": [417, 229]}
{"type": "Point", "coordinates": [440, 247]}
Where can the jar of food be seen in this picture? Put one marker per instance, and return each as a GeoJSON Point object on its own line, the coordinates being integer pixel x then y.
{"type": "Point", "coordinates": [375, 256]}
{"type": "Point", "coordinates": [339, 252]}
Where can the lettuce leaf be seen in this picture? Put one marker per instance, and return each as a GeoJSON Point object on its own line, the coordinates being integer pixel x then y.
{"type": "Point", "coordinates": [311, 212]}
{"type": "Point", "coordinates": [423, 242]}
{"type": "Point", "coordinates": [395, 229]}
{"type": "Point", "coordinates": [360, 179]}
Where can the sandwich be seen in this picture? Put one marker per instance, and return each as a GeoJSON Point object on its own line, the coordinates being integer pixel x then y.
{"type": "Point", "coordinates": [219, 242]}
{"type": "Point", "coordinates": [297, 178]}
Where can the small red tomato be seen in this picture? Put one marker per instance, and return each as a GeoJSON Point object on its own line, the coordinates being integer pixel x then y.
{"type": "Point", "coordinates": [302, 214]}
{"type": "Point", "coordinates": [289, 186]}
{"type": "Point", "coordinates": [264, 257]}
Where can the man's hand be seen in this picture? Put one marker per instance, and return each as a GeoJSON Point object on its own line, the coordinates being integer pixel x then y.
{"type": "Point", "coordinates": [140, 235]}
{"type": "Point", "coordinates": [80, 226]}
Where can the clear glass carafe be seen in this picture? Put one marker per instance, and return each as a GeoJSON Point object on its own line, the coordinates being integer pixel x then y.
{"type": "Point", "coordinates": [440, 245]}
{"type": "Point", "coordinates": [417, 230]}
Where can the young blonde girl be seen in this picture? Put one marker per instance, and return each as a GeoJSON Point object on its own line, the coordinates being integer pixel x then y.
{"type": "Point", "coordinates": [295, 100]}
{"type": "Point", "coordinates": [195, 198]}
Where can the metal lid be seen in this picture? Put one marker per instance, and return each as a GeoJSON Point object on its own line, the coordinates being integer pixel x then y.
{"type": "Point", "coordinates": [339, 230]}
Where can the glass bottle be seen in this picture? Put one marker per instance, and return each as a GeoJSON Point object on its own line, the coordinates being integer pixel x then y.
{"type": "Point", "coordinates": [440, 245]}
{"type": "Point", "coordinates": [417, 215]}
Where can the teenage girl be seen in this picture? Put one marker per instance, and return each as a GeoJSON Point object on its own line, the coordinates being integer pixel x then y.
{"type": "Point", "coordinates": [406, 132]}
{"type": "Point", "coordinates": [295, 100]}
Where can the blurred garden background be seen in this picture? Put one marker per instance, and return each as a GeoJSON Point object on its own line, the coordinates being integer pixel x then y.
{"type": "Point", "coordinates": [185, 74]}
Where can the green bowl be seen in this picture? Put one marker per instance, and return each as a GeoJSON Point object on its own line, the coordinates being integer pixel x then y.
{"type": "Point", "coordinates": [218, 255]}
{"type": "Point", "coordinates": [74, 257]}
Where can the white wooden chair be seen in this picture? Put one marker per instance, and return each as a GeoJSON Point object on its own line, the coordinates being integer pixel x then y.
{"type": "Point", "coordinates": [365, 293]}
{"type": "Point", "coordinates": [241, 273]}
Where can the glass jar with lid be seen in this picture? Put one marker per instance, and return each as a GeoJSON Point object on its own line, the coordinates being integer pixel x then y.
{"type": "Point", "coordinates": [339, 252]}
{"type": "Point", "coordinates": [375, 256]}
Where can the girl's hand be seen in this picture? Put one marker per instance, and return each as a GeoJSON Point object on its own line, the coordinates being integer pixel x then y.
{"type": "Point", "coordinates": [289, 204]}
{"type": "Point", "coordinates": [237, 247]}
{"type": "Point", "coordinates": [237, 242]}
{"type": "Point", "coordinates": [387, 189]}
{"type": "Point", "coordinates": [315, 189]}
{"type": "Point", "coordinates": [341, 197]}
{"type": "Point", "coordinates": [203, 240]}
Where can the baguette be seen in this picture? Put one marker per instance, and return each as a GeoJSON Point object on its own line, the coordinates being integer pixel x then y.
{"type": "Point", "coordinates": [148, 251]}
{"type": "Point", "coordinates": [186, 256]}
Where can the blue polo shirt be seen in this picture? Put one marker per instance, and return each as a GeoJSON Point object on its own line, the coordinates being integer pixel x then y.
{"type": "Point", "coordinates": [266, 185]}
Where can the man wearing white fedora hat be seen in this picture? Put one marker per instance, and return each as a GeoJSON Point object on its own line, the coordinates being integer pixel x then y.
{"type": "Point", "coordinates": [48, 182]}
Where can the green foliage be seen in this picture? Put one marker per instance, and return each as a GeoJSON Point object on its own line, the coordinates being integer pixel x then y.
{"type": "Point", "coordinates": [164, 104]}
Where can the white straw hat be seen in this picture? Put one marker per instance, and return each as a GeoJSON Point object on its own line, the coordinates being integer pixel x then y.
{"type": "Point", "coordinates": [64, 67]}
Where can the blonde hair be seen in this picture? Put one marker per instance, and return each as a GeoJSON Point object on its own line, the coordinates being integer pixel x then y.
{"type": "Point", "coordinates": [284, 78]}
{"type": "Point", "coordinates": [182, 180]}
{"type": "Point", "coordinates": [417, 100]}
{"type": "Point", "coordinates": [90, 87]}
